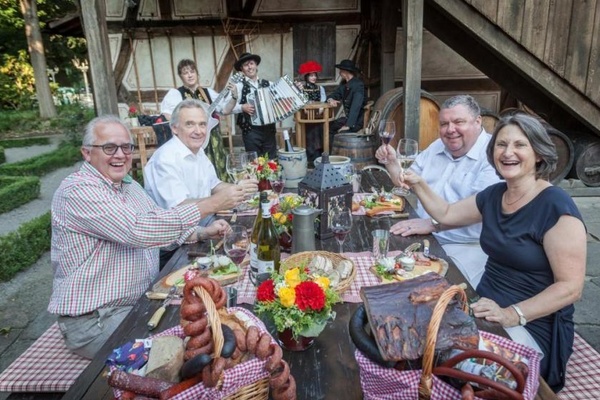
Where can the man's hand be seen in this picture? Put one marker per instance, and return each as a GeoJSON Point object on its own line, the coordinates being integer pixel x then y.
{"type": "Point", "coordinates": [248, 109]}
{"type": "Point", "coordinates": [344, 129]}
{"type": "Point", "coordinates": [385, 152]}
{"type": "Point", "coordinates": [333, 102]}
{"type": "Point", "coordinates": [232, 87]}
{"type": "Point", "coordinates": [417, 226]}
{"type": "Point", "coordinates": [250, 186]}
{"type": "Point", "coordinates": [228, 197]}
{"type": "Point", "coordinates": [216, 230]}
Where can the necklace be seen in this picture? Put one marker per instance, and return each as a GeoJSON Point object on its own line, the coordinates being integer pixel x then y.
{"type": "Point", "coordinates": [523, 195]}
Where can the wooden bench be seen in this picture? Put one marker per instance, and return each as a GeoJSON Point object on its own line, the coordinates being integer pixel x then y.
{"type": "Point", "coordinates": [47, 366]}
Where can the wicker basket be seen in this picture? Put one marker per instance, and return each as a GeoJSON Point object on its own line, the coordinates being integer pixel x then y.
{"type": "Point", "coordinates": [257, 382]}
{"type": "Point", "coordinates": [429, 386]}
{"type": "Point", "coordinates": [304, 258]}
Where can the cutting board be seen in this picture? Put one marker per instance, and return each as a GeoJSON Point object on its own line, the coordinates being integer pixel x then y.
{"type": "Point", "coordinates": [439, 266]}
{"type": "Point", "coordinates": [163, 285]}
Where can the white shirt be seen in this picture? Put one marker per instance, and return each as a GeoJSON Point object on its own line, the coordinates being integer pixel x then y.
{"type": "Point", "coordinates": [174, 97]}
{"type": "Point", "coordinates": [456, 179]}
{"type": "Point", "coordinates": [175, 174]}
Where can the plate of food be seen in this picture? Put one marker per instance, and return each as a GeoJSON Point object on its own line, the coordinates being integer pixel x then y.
{"type": "Point", "coordinates": [407, 266]}
{"type": "Point", "coordinates": [218, 267]}
{"type": "Point", "coordinates": [378, 203]}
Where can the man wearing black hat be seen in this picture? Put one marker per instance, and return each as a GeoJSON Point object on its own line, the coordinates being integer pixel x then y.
{"type": "Point", "coordinates": [259, 138]}
{"type": "Point", "coordinates": [351, 93]}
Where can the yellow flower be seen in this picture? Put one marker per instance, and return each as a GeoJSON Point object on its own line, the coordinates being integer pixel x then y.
{"type": "Point", "coordinates": [322, 281]}
{"type": "Point", "coordinates": [277, 215]}
{"type": "Point", "coordinates": [292, 277]}
{"type": "Point", "coordinates": [282, 219]}
{"type": "Point", "coordinates": [287, 295]}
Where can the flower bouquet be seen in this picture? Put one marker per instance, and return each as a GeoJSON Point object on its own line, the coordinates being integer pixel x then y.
{"type": "Point", "coordinates": [299, 304]}
{"type": "Point", "coordinates": [133, 112]}
{"type": "Point", "coordinates": [264, 169]}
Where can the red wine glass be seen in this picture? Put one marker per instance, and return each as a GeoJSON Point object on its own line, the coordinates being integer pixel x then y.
{"type": "Point", "coordinates": [236, 244]}
{"type": "Point", "coordinates": [341, 224]}
{"type": "Point", "coordinates": [387, 130]}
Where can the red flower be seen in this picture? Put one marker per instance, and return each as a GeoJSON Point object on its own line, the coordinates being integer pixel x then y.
{"type": "Point", "coordinates": [272, 165]}
{"type": "Point", "coordinates": [310, 295]}
{"type": "Point", "coordinates": [259, 168]}
{"type": "Point", "coordinates": [132, 109]}
{"type": "Point", "coordinates": [266, 291]}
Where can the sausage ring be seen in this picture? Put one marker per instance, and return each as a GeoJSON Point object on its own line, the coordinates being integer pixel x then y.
{"type": "Point", "coordinates": [252, 336]}
{"type": "Point", "coordinates": [287, 391]}
{"type": "Point", "coordinates": [275, 358]}
{"type": "Point", "coordinates": [280, 377]}
{"type": "Point", "coordinates": [262, 348]}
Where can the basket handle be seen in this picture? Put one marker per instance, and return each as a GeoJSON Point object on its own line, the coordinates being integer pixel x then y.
{"type": "Point", "coordinates": [432, 331]}
{"type": "Point", "coordinates": [213, 319]}
{"type": "Point", "coordinates": [446, 369]}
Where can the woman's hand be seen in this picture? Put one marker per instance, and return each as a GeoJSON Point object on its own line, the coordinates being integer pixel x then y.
{"type": "Point", "coordinates": [417, 226]}
{"type": "Point", "coordinates": [491, 311]}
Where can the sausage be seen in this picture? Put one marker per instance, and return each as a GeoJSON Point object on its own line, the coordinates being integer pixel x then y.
{"type": "Point", "coordinates": [144, 386]}
{"type": "Point", "coordinates": [229, 341]}
{"type": "Point", "coordinates": [196, 327]}
{"type": "Point", "coordinates": [202, 350]}
{"type": "Point", "coordinates": [280, 376]}
{"type": "Point", "coordinates": [240, 340]}
{"type": "Point", "coordinates": [467, 392]}
{"type": "Point", "coordinates": [180, 387]}
{"type": "Point", "coordinates": [287, 391]}
{"type": "Point", "coordinates": [195, 365]}
{"type": "Point", "coordinates": [252, 336]}
{"type": "Point", "coordinates": [275, 357]}
{"type": "Point", "coordinates": [363, 342]}
{"type": "Point", "coordinates": [200, 340]}
{"type": "Point", "coordinates": [212, 372]}
{"type": "Point", "coordinates": [192, 311]}
{"type": "Point", "coordinates": [262, 348]}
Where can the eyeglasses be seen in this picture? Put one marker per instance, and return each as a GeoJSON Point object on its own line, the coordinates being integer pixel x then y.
{"type": "Point", "coordinates": [110, 149]}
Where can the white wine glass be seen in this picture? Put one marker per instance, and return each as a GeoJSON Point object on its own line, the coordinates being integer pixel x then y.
{"type": "Point", "coordinates": [236, 167]}
{"type": "Point", "coordinates": [250, 162]}
{"type": "Point", "coordinates": [387, 130]}
{"type": "Point", "coordinates": [408, 149]}
{"type": "Point", "coordinates": [341, 224]}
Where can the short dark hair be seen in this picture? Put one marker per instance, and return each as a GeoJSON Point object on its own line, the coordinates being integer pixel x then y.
{"type": "Point", "coordinates": [463, 99]}
{"type": "Point", "coordinates": [537, 135]}
{"type": "Point", "coordinates": [186, 62]}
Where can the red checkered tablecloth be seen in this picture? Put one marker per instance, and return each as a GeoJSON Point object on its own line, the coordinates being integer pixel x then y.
{"type": "Point", "coordinates": [364, 277]}
{"type": "Point", "coordinates": [583, 378]}
{"type": "Point", "coordinates": [46, 366]}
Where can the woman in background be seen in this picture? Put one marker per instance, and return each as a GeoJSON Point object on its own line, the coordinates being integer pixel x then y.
{"type": "Point", "coordinates": [315, 93]}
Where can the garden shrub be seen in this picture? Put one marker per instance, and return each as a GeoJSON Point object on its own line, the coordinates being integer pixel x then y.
{"type": "Point", "coordinates": [24, 142]}
{"type": "Point", "coordinates": [66, 155]}
{"type": "Point", "coordinates": [2, 156]}
{"type": "Point", "coordinates": [17, 190]}
{"type": "Point", "coordinates": [20, 249]}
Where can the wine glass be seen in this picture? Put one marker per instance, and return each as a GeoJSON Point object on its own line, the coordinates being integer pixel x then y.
{"type": "Point", "coordinates": [277, 183]}
{"type": "Point", "coordinates": [406, 154]}
{"type": "Point", "coordinates": [250, 162]}
{"type": "Point", "coordinates": [236, 244]}
{"type": "Point", "coordinates": [235, 163]}
{"type": "Point", "coordinates": [387, 130]}
{"type": "Point", "coordinates": [341, 224]}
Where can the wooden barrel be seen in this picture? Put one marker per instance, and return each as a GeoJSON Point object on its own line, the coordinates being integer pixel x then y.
{"type": "Point", "coordinates": [564, 149]}
{"type": "Point", "coordinates": [489, 119]}
{"type": "Point", "coordinates": [361, 149]}
{"type": "Point", "coordinates": [390, 106]}
{"type": "Point", "coordinates": [586, 168]}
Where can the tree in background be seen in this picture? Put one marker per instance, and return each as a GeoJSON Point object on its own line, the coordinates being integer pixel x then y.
{"type": "Point", "coordinates": [17, 83]}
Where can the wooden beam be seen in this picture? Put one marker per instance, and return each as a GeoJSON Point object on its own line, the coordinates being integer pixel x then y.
{"type": "Point", "coordinates": [96, 34]}
{"type": "Point", "coordinates": [412, 22]}
{"type": "Point", "coordinates": [388, 14]}
{"type": "Point", "coordinates": [501, 58]}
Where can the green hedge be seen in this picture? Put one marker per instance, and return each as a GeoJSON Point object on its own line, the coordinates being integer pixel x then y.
{"type": "Point", "coordinates": [65, 156]}
{"type": "Point", "coordinates": [2, 156]}
{"type": "Point", "coordinates": [24, 142]}
{"type": "Point", "coordinates": [20, 249]}
{"type": "Point", "coordinates": [17, 190]}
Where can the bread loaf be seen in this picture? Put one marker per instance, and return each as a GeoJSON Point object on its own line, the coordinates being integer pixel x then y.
{"type": "Point", "coordinates": [166, 358]}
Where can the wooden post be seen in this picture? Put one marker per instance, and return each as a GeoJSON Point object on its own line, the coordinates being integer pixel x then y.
{"type": "Point", "coordinates": [389, 16]}
{"type": "Point", "coordinates": [412, 22]}
{"type": "Point", "coordinates": [93, 13]}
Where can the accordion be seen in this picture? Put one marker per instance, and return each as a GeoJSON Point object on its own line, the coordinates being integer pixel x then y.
{"type": "Point", "coordinates": [276, 102]}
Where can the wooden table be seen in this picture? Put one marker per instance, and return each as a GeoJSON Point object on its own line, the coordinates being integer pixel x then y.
{"type": "Point", "coordinates": [328, 369]}
{"type": "Point", "coordinates": [309, 114]}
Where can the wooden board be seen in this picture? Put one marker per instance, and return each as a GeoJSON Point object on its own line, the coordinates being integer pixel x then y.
{"type": "Point", "coordinates": [440, 267]}
{"type": "Point", "coordinates": [166, 282]}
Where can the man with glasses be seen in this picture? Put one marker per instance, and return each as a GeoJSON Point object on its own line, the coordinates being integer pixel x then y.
{"type": "Point", "coordinates": [106, 232]}
{"type": "Point", "coordinates": [456, 167]}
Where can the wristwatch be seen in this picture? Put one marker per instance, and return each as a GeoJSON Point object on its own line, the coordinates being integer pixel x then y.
{"type": "Point", "coordinates": [522, 319]}
{"type": "Point", "coordinates": [436, 225]}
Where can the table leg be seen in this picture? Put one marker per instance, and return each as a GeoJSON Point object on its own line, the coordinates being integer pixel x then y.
{"type": "Point", "coordinates": [326, 134]}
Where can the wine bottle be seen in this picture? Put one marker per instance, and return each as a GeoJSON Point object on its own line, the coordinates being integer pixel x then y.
{"type": "Point", "coordinates": [286, 140]}
{"type": "Point", "coordinates": [268, 253]}
{"type": "Point", "coordinates": [254, 235]}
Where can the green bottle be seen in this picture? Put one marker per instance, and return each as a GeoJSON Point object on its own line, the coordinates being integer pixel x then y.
{"type": "Point", "coordinates": [268, 253]}
{"type": "Point", "coordinates": [254, 235]}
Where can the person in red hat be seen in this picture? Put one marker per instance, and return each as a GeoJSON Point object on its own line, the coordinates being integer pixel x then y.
{"type": "Point", "coordinates": [314, 132]}
{"type": "Point", "coordinates": [351, 95]}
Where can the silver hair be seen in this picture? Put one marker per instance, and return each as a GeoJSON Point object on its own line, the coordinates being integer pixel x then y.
{"type": "Point", "coordinates": [187, 103]}
{"type": "Point", "coordinates": [463, 99]}
{"type": "Point", "coordinates": [89, 136]}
